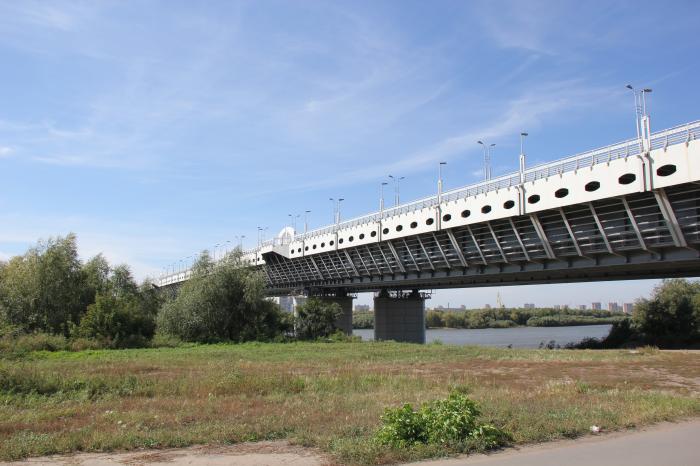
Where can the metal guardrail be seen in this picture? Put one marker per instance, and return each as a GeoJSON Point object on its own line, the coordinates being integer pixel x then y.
{"type": "Point", "coordinates": [629, 148]}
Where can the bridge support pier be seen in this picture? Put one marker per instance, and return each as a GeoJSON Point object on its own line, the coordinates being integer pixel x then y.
{"type": "Point", "coordinates": [344, 322]}
{"type": "Point", "coordinates": [400, 318]}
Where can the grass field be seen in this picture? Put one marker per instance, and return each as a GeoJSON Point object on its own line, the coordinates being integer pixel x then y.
{"type": "Point", "coordinates": [326, 395]}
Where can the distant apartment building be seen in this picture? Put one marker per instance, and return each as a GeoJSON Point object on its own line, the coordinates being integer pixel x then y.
{"type": "Point", "coordinates": [596, 306]}
{"type": "Point", "coordinates": [557, 307]}
{"type": "Point", "coordinates": [627, 308]}
{"type": "Point", "coordinates": [361, 307]}
{"type": "Point", "coordinates": [529, 305]}
{"type": "Point", "coordinates": [614, 307]}
{"type": "Point", "coordinates": [487, 306]}
{"type": "Point", "coordinates": [582, 307]}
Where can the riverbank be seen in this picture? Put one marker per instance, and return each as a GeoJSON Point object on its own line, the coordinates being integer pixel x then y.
{"type": "Point", "coordinates": [325, 395]}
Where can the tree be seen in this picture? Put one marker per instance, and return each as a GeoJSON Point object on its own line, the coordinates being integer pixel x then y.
{"type": "Point", "coordinates": [317, 319]}
{"type": "Point", "coordinates": [223, 301]}
{"type": "Point", "coordinates": [671, 316]}
{"type": "Point", "coordinates": [43, 290]}
{"type": "Point", "coordinates": [433, 319]}
{"type": "Point", "coordinates": [123, 314]}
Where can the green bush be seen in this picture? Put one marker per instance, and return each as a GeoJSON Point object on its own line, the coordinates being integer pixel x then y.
{"type": "Point", "coordinates": [26, 343]}
{"type": "Point", "coordinates": [316, 319]}
{"type": "Point", "coordinates": [452, 422]}
{"type": "Point", "coordinates": [118, 322]}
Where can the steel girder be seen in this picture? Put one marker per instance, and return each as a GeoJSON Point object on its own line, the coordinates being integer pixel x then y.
{"type": "Point", "coordinates": [608, 239]}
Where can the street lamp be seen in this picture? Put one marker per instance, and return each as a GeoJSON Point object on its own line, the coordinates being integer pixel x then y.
{"type": "Point", "coordinates": [381, 198]}
{"type": "Point", "coordinates": [397, 187]}
{"type": "Point", "coordinates": [306, 220]}
{"type": "Point", "coordinates": [440, 181]}
{"type": "Point", "coordinates": [641, 118]}
{"type": "Point", "coordinates": [523, 135]}
{"type": "Point", "coordinates": [261, 234]}
{"type": "Point", "coordinates": [336, 209]}
{"type": "Point", "coordinates": [487, 159]}
{"type": "Point", "coordinates": [294, 221]}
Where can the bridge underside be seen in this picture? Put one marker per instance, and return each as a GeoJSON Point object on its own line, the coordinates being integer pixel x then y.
{"type": "Point", "coordinates": [644, 235]}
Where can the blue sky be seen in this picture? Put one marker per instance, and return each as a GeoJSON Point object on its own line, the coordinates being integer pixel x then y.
{"type": "Point", "coordinates": [157, 129]}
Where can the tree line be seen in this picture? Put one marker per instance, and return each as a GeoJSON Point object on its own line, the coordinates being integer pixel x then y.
{"type": "Point", "coordinates": [504, 318]}
{"type": "Point", "coordinates": [49, 298]}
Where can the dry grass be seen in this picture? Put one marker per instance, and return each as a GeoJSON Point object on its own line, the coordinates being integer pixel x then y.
{"type": "Point", "coordinates": [325, 395]}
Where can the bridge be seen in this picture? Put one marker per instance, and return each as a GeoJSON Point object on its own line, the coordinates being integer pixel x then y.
{"type": "Point", "coordinates": [630, 210]}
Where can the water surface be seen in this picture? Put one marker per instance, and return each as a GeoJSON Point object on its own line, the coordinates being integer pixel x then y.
{"type": "Point", "coordinates": [518, 337]}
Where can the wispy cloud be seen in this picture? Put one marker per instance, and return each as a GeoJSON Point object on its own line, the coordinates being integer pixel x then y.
{"type": "Point", "coordinates": [6, 151]}
{"type": "Point", "coordinates": [529, 110]}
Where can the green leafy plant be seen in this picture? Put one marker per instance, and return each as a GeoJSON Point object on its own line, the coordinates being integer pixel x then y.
{"type": "Point", "coordinates": [452, 422]}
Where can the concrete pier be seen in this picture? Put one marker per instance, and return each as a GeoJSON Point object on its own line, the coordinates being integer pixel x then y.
{"type": "Point", "coordinates": [399, 318]}
{"type": "Point", "coordinates": [344, 322]}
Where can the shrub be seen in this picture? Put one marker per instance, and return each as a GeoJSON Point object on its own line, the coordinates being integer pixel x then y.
{"type": "Point", "coordinates": [317, 319]}
{"type": "Point", "coordinates": [117, 322]}
{"type": "Point", "coordinates": [82, 344]}
{"type": "Point", "coordinates": [452, 422]}
{"type": "Point", "coordinates": [26, 343]}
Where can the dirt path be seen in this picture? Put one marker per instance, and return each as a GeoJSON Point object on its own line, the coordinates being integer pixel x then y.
{"type": "Point", "coordinates": [245, 454]}
{"type": "Point", "coordinates": [668, 443]}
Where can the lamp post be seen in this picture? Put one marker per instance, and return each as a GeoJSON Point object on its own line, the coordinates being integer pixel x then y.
{"type": "Point", "coordinates": [336, 209]}
{"type": "Point", "coordinates": [397, 187]}
{"type": "Point", "coordinates": [440, 181]}
{"type": "Point", "coordinates": [641, 117]}
{"type": "Point", "coordinates": [337, 220]}
{"type": "Point", "coordinates": [487, 159]}
{"type": "Point", "coordinates": [523, 135]}
{"type": "Point", "coordinates": [294, 221]}
{"type": "Point", "coordinates": [381, 199]}
{"type": "Point", "coordinates": [260, 235]}
{"type": "Point", "coordinates": [306, 220]}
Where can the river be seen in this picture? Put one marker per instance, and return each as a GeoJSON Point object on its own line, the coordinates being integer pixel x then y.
{"type": "Point", "coordinates": [518, 337]}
